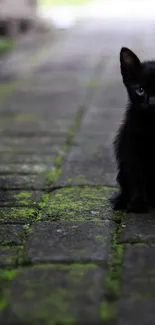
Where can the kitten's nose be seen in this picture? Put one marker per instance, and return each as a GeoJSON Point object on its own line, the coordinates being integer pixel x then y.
{"type": "Point", "coordinates": [152, 100]}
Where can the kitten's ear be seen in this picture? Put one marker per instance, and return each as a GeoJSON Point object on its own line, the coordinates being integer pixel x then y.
{"type": "Point", "coordinates": [130, 64]}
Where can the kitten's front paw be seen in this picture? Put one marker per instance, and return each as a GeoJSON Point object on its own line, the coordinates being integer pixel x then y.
{"type": "Point", "coordinates": [118, 201]}
{"type": "Point", "coordinates": [138, 206]}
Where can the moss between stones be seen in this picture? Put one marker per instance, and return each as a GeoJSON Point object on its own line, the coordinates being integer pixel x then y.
{"type": "Point", "coordinates": [107, 312]}
{"type": "Point", "coordinates": [65, 267]}
{"type": "Point", "coordinates": [113, 279]}
{"type": "Point", "coordinates": [22, 197]}
{"type": "Point", "coordinates": [44, 201]}
{"type": "Point", "coordinates": [27, 229]}
{"type": "Point", "coordinates": [108, 308]}
{"type": "Point", "coordinates": [6, 276]}
{"type": "Point", "coordinates": [55, 173]}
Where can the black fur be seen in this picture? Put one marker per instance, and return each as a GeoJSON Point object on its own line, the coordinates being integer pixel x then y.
{"type": "Point", "coordinates": [135, 141]}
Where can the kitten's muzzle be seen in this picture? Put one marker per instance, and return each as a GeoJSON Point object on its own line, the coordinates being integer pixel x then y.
{"type": "Point", "coordinates": [152, 100]}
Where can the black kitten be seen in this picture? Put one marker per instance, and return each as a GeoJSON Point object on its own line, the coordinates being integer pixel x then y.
{"type": "Point", "coordinates": [135, 142]}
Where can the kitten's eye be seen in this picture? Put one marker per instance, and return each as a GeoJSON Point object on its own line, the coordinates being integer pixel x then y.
{"type": "Point", "coordinates": [140, 91]}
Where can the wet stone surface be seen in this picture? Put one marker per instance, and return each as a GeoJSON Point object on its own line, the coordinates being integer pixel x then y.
{"type": "Point", "coordinates": [70, 241]}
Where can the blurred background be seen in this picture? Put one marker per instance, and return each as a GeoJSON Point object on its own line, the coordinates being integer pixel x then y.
{"type": "Point", "coordinates": [22, 20]}
{"type": "Point", "coordinates": [20, 16]}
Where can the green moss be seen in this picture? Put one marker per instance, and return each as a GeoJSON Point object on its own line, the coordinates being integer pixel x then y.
{"type": "Point", "coordinates": [9, 255]}
{"type": "Point", "coordinates": [21, 251]}
{"type": "Point", "coordinates": [53, 175]}
{"type": "Point", "coordinates": [17, 214]}
{"type": "Point", "coordinates": [6, 277]}
{"type": "Point", "coordinates": [118, 216]}
{"type": "Point", "coordinates": [71, 132]}
{"type": "Point", "coordinates": [58, 160]}
{"type": "Point", "coordinates": [113, 278]}
{"type": "Point", "coordinates": [3, 303]}
{"type": "Point", "coordinates": [44, 200]}
{"type": "Point", "coordinates": [108, 308]}
{"type": "Point", "coordinates": [101, 238]}
{"type": "Point", "coordinates": [8, 274]}
{"type": "Point", "coordinates": [65, 267]}
{"type": "Point", "coordinates": [23, 194]}
{"type": "Point", "coordinates": [23, 198]}
{"type": "Point", "coordinates": [107, 312]}
{"type": "Point", "coordinates": [27, 228]}
{"type": "Point", "coordinates": [79, 203]}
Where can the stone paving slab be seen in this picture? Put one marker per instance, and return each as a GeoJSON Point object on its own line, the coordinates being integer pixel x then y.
{"type": "Point", "coordinates": [70, 241]}
{"type": "Point", "coordinates": [21, 182]}
{"type": "Point", "coordinates": [12, 234]}
{"type": "Point", "coordinates": [36, 126]}
{"type": "Point", "coordinates": [31, 143]}
{"type": "Point", "coordinates": [82, 171]}
{"type": "Point", "coordinates": [136, 311]}
{"type": "Point", "coordinates": [138, 290]}
{"type": "Point", "coordinates": [23, 158]}
{"type": "Point", "coordinates": [26, 169]}
{"type": "Point", "coordinates": [38, 294]}
{"type": "Point", "coordinates": [79, 204]}
{"type": "Point", "coordinates": [20, 198]}
{"type": "Point", "coordinates": [137, 228]}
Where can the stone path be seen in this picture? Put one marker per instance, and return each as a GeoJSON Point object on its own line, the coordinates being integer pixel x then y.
{"type": "Point", "coordinates": [65, 256]}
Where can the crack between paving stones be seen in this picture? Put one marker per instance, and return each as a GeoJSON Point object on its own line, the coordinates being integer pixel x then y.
{"type": "Point", "coordinates": [80, 186]}
{"type": "Point", "coordinates": [138, 243]}
{"type": "Point", "coordinates": [109, 306]}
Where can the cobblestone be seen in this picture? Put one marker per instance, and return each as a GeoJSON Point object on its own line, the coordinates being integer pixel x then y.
{"type": "Point", "coordinates": [65, 256]}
